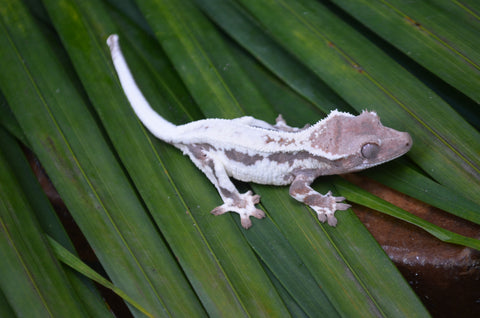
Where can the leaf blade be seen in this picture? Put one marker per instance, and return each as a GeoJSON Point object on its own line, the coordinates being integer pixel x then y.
{"type": "Point", "coordinates": [439, 133]}
{"type": "Point", "coordinates": [72, 148]}
{"type": "Point", "coordinates": [31, 278]}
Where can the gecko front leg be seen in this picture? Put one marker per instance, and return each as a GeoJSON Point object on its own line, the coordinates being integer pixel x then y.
{"type": "Point", "coordinates": [324, 205]}
{"type": "Point", "coordinates": [234, 201]}
{"type": "Point", "coordinates": [242, 203]}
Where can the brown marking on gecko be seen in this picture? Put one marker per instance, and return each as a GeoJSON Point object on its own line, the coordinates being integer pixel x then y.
{"type": "Point", "coordinates": [298, 188]}
{"type": "Point", "coordinates": [229, 194]}
{"type": "Point", "coordinates": [315, 199]}
{"type": "Point", "coordinates": [282, 141]}
{"type": "Point", "coordinates": [327, 137]}
{"type": "Point", "coordinates": [285, 142]}
{"type": "Point", "coordinates": [288, 178]}
{"type": "Point", "coordinates": [269, 139]}
{"type": "Point", "coordinates": [291, 157]}
{"type": "Point", "coordinates": [244, 158]}
{"type": "Point", "coordinates": [302, 179]}
{"type": "Point", "coordinates": [199, 151]}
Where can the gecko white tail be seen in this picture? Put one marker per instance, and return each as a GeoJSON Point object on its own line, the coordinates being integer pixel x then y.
{"type": "Point", "coordinates": [157, 125]}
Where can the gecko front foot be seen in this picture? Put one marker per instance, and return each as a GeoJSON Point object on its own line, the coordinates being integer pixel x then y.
{"type": "Point", "coordinates": [244, 205]}
{"type": "Point", "coordinates": [326, 205]}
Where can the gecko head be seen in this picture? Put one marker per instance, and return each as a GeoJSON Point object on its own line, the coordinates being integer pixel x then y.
{"type": "Point", "coordinates": [357, 142]}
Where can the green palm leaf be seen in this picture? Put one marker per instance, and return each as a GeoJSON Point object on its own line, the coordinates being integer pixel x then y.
{"type": "Point", "coordinates": [59, 126]}
{"type": "Point", "coordinates": [33, 214]}
{"type": "Point", "coordinates": [429, 34]}
{"type": "Point", "coordinates": [364, 75]}
{"type": "Point", "coordinates": [31, 278]}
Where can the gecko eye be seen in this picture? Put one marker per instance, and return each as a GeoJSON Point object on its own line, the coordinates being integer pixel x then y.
{"type": "Point", "coordinates": [370, 151]}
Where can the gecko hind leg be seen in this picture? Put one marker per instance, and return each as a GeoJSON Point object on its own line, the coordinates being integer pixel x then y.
{"type": "Point", "coordinates": [324, 205]}
{"type": "Point", "coordinates": [234, 201]}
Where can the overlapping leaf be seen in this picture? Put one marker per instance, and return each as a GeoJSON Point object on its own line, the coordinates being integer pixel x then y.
{"type": "Point", "coordinates": [58, 124]}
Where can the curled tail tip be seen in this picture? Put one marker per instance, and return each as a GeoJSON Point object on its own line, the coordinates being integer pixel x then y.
{"type": "Point", "coordinates": [112, 41]}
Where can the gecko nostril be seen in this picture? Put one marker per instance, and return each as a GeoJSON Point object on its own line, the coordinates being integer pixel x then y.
{"type": "Point", "coordinates": [409, 141]}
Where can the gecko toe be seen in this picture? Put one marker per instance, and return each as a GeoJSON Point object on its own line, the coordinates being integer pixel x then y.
{"type": "Point", "coordinates": [322, 217]}
{"type": "Point", "coordinates": [342, 206]}
{"type": "Point", "coordinates": [332, 220]}
{"type": "Point", "coordinates": [219, 210]}
{"type": "Point", "coordinates": [259, 214]}
{"type": "Point", "coordinates": [246, 222]}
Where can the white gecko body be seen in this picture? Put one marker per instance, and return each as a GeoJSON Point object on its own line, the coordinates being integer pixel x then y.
{"type": "Point", "coordinates": [249, 149]}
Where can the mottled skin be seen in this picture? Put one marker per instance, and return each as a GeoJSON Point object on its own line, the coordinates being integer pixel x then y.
{"type": "Point", "coordinates": [249, 149]}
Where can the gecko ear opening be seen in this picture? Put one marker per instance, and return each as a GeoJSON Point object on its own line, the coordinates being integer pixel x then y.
{"type": "Point", "coordinates": [370, 151]}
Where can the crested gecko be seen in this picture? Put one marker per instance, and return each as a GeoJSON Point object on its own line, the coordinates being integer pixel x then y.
{"type": "Point", "coordinates": [252, 150]}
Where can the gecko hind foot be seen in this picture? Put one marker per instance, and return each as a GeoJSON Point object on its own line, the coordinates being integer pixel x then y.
{"type": "Point", "coordinates": [244, 205]}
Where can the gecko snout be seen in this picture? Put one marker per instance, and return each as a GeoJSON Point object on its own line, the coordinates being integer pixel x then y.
{"type": "Point", "coordinates": [408, 141]}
